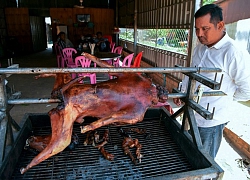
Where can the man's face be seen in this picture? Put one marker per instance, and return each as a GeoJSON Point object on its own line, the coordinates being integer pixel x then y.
{"type": "Point", "coordinates": [99, 36]}
{"type": "Point", "coordinates": [62, 37]}
{"type": "Point", "coordinates": [208, 33]}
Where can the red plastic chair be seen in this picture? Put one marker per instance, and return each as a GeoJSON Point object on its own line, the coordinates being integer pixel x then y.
{"type": "Point", "coordinates": [109, 37]}
{"type": "Point", "coordinates": [68, 57]}
{"type": "Point", "coordinates": [127, 61]}
{"type": "Point", "coordinates": [81, 61]}
{"type": "Point", "coordinates": [116, 61]}
{"type": "Point", "coordinates": [137, 61]}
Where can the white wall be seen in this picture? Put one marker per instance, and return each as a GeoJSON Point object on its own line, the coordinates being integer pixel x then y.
{"type": "Point", "coordinates": [240, 31]}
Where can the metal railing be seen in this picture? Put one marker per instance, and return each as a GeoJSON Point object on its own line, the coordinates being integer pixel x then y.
{"type": "Point", "coordinates": [159, 57]}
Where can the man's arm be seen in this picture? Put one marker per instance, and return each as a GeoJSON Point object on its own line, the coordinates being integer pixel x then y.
{"type": "Point", "coordinates": [69, 43]}
{"type": "Point", "coordinates": [241, 76]}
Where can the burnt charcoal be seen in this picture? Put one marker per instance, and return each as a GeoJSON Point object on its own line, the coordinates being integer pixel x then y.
{"type": "Point", "coordinates": [147, 135]}
{"type": "Point", "coordinates": [123, 133]}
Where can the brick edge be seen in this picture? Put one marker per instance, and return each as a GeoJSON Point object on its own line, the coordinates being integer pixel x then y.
{"type": "Point", "coordinates": [238, 142]}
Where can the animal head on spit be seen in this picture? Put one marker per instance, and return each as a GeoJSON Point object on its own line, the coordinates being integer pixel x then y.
{"type": "Point", "coordinates": [162, 93]}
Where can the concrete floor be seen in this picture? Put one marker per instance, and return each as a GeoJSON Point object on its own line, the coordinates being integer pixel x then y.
{"type": "Point", "coordinates": [228, 157]}
{"type": "Point", "coordinates": [31, 88]}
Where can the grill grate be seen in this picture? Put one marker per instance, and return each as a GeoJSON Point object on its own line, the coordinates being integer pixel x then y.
{"type": "Point", "coordinates": [161, 156]}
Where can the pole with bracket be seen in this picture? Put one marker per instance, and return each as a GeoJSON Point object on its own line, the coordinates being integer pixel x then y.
{"type": "Point", "coordinates": [5, 127]}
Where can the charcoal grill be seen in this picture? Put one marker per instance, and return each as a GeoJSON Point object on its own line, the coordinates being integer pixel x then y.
{"type": "Point", "coordinates": [168, 154]}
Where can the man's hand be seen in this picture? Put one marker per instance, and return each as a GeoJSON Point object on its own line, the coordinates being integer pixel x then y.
{"type": "Point", "coordinates": [98, 43]}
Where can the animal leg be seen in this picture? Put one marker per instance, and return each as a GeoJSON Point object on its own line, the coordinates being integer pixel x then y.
{"type": "Point", "coordinates": [119, 118]}
{"type": "Point", "coordinates": [61, 138]}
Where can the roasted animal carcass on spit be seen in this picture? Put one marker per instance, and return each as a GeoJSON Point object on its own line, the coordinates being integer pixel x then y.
{"type": "Point", "coordinates": [119, 101]}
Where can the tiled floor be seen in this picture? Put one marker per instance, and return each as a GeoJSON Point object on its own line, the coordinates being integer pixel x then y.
{"type": "Point", "coordinates": [41, 88]}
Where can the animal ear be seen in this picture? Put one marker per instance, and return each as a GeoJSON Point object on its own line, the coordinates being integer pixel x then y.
{"type": "Point", "coordinates": [31, 138]}
{"type": "Point", "coordinates": [66, 78]}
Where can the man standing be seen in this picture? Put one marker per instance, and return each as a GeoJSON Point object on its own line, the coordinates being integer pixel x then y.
{"type": "Point", "coordinates": [217, 50]}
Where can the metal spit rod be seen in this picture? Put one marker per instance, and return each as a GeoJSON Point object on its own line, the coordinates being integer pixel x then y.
{"type": "Point", "coordinates": [48, 100]}
{"type": "Point", "coordinates": [41, 101]}
{"type": "Point", "coordinates": [103, 70]}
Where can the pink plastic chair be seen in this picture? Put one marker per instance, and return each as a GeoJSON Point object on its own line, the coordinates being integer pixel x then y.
{"type": "Point", "coordinates": [58, 51]}
{"type": "Point", "coordinates": [127, 61]}
{"type": "Point", "coordinates": [68, 57]}
{"type": "Point", "coordinates": [81, 61]}
{"type": "Point", "coordinates": [112, 46]}
{"type": "Point", "coordinates": [117, 50]}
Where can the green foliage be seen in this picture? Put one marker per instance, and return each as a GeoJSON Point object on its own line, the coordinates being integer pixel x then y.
{"type": "Point", "coordinates": [204, 2]}
{"type": "Point", "coordinates": [127, 34]}
{"type": "Point", "coordinates": [154, 33]}
{"type": "Point", "coordinates": [174, 40]}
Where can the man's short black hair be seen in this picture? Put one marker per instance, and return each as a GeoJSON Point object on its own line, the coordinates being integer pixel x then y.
{"type": "Point", "coordinates": [60, 33]}
{"type": "Point", "coordinates": [214, 10]}
{"type": "Point", "coordinates": [99, 32]}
